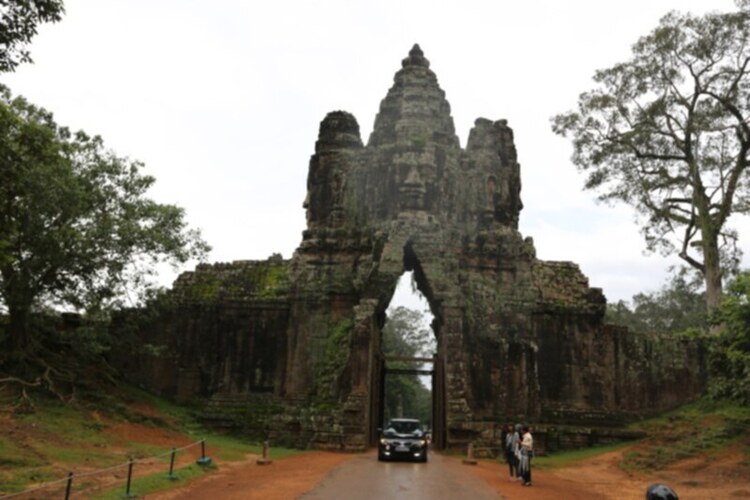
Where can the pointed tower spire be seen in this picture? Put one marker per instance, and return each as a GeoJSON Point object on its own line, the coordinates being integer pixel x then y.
{"type": "Point", "coordinates": [414, 110]}
{"type": "Point", "coordinates": [416, 58]}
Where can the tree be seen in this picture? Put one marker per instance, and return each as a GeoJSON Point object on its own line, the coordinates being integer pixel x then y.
{"type": "Point", "coordinates": [668, 132]}
{"type": "Point", "coordinates": [18, 25]}
{"type": "Point", "coordinates": [676, 307]}
{"type": "Point", "coordinates": [404, 335]}
{"type": "Point", "coordinates": [729, 359]}
{"type": "Point", "coordinates": [76, 227]}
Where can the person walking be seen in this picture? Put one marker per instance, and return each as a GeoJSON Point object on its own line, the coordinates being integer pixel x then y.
{"type": "Point", "coordinates": [511, 446]}
{"type": "Point", "coordinates": [527, 453]}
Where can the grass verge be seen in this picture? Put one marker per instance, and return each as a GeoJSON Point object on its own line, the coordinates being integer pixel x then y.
{"type": "Point", "coordinates": [703, 428]}
{"type": "Point", "coordinates": [42, 445]}
{"type": "Point", "coordinates": [566, 458]}
{"type": "Point", "coordinates": [155, 482]}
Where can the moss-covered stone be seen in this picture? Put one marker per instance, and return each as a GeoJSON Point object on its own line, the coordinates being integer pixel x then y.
{"type": "Point", "coordinates": [518, 338]}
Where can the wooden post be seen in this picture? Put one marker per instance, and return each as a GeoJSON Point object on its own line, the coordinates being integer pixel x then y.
{"type": "Point", "coordinates": [264, 460]}
{"type": "Point", "coordinates": [70, 484]}
{"type": "Point", "coordinates": [470, 460]}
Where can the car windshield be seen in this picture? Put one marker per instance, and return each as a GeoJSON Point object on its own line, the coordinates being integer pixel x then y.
{"type": "Point", "coordinates": [404, 426]}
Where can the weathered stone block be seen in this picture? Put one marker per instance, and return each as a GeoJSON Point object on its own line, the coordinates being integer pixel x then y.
{"type": "Point", "coordinates": [518, 339]}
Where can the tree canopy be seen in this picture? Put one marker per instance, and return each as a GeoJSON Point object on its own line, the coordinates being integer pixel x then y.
{"type": "Point", "coordinates": [675, 308]}
{"type": "Point", "coordinates": [76, 225]}
{"type": "Point", "coordinates": [729, 360]}
{"type": "Point", "coordinates": [19, 20]}
{"type": "Point", "coordinates": [668, 132]}
{"type": "Point", "coordinates": [404, 334]}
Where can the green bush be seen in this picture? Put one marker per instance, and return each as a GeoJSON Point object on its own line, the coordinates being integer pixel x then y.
{"type": "Point", "coordinates": [729, 358]}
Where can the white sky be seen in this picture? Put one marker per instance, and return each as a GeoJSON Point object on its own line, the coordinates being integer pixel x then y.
{"type": "Point", "coordinates": [222, 100]}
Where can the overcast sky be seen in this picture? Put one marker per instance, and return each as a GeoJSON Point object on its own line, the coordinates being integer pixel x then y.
{"type": "Point", "coordinates": [222, 100]}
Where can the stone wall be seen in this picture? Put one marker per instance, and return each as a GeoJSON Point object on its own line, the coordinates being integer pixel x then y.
{"type": "Point", "coordinates": [518, 339]}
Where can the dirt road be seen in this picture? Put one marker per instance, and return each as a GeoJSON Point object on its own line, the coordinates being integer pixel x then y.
{"type": "Point", "coordinates": [365, 478]}
{"type": "Point", "coordinates": [321, 475]}
{"type": "Point", "coordinates": [317, 475]}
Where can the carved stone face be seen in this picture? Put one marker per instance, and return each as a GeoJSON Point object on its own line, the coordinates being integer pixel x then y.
{"type": "Point", "coordinates": [412, 190]}
{"type": "Point", "coordinates": [415, 175]}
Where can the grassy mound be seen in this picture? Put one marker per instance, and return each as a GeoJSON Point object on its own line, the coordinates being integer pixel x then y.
{"type": "Point", "coordinates": [703, 431]}
{"type": "Point", "coordinates": [700, 430]}
{"type": "Point", "coordinates": [96, 439]}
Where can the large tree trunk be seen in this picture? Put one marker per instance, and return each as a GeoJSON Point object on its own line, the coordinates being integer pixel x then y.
{"type": "Point", "coordinates": [712, 270]}
{"type": "Point", "coordinates": [19, 298]}
{"type": "Point", "coordinates": [18, 329]}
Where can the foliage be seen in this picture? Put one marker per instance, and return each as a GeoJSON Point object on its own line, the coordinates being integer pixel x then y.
{"type": "Point", "coordinates": [406, 396]}
{"type": "Point", "coordinates": [43, 445]}
{"type": "Point", "coordinates": [404, 335]}
{"type": "Point", "coordinates": [121, 334]}
{"type": "Point", "coordinates": [571, 457]}
{"type": "Point", "coordinates": [698, 429]}
{"type": "Point", "coordinates": [76, 227]}
{"type": "Point", "coordinates": [668, 132]}
{"type": "Point", "coordinates": [676, 307]}
{"type": "Point", "coordinates": [155, 482]}
{"type": "Point", "coordinates": [263, 280]}
{"type": "Point", "coordinates": [272, 282]}
{"type": "Point", "coordinates": [729, 361]}
{"type": "Point", "coordinates": [331, 367]}
{"type": "Point", "coordinates": [18, 25]}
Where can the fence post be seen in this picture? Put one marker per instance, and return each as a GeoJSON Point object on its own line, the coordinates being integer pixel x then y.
{"type": "Point", "coordinates": [128, 494]}
{"type": "Point", "coordinates": [70, 484]}
{"type": "Point", "coordinates": [470, 460]}
{"type": "Point", "coordinates": [171, 466]}
{"type": "Point", "coordinates": [203, 460]}
{"type": "Point", "coordinates": [264, 460]}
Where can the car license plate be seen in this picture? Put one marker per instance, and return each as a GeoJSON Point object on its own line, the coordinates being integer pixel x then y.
{"type": "Point", "coordinates": [402, 448]}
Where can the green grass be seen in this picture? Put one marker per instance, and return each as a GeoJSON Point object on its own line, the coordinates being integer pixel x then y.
{"type": "Point", "coordinates": [20, 466]}
{"type": "Point", "coordinates": [701, 428]}
{"type": "Point", "coordinates": [55, 437]}
{"type": "Point", "coordinates": [227, 448]}
{"type": "Point", "coordinates": [54, 434]}
{"type": "Point", "coordinates": [231, 448]}
{"type": "Point", "coordinates": [164, 407]}
{"type": "Point", "coordinates": [12, 455]}
{"type": "Point", "coordinates": [73, 456]}
{"type": "Point", "coordinates": [158, 481]}
{"type": "Point", "coordinates": [566, 458]}
{"type": "Point", "coordinates": [65, 423]}
{"type": "Point", "coordinates": [14, 481]}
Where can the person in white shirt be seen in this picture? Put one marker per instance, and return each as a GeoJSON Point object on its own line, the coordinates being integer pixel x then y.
{"type": "Point", "coordinates": [527, 452]}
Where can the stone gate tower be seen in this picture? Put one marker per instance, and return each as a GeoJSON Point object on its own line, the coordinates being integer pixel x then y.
{"type": "Point", "coordinates": [291, 348]}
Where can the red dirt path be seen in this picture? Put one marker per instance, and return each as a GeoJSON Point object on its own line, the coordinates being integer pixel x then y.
{"type": "Point", "coordinates": [597, 478]}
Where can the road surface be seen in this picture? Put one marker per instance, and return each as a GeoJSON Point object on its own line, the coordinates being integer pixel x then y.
{"type": "Point", "coordinates": [364, 477]}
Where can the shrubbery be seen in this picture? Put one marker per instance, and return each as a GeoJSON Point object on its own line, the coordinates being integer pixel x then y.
{"type": "Point", "coordinates": [729, 359]}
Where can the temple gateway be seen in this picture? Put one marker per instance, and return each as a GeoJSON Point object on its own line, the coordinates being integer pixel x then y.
{"type": "Point", "coordinates": [291, 349]}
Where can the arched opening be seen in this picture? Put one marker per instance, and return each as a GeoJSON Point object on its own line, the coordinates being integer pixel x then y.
{"type": "Point", "coordinates": [408, 346]}
{"type": "Point", "coordinates": [409, 381]}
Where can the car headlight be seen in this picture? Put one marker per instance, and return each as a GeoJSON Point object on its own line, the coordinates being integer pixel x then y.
{"type": "Point", "coordinates": [421, 442]}
{"type": "Point", "coordinates": [384, 441]}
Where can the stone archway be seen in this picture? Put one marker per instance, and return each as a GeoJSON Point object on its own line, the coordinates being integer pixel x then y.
{"type": "Point", "coordinates": [409, 262]}
{"type": "Point", "coordinates": [289, 349]}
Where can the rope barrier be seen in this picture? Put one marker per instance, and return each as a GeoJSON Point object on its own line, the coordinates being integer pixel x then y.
{"type": "Point", "coordinates": [73, 475]}
{"type": "Point", "coordinates": [42, 487]}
